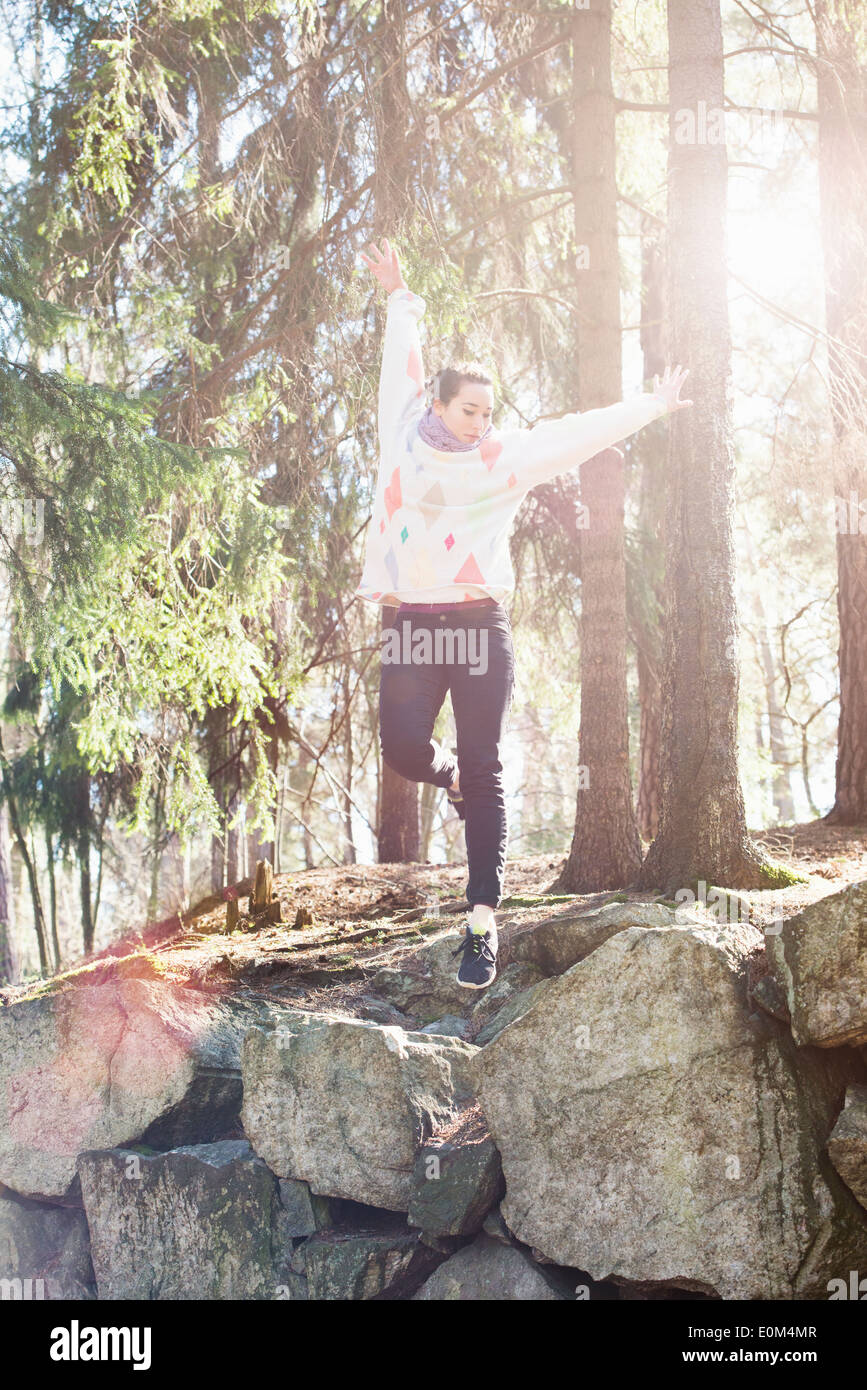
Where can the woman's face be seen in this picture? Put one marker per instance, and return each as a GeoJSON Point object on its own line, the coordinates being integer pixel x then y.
{"type": "Point", "coordinates": [467, 414]}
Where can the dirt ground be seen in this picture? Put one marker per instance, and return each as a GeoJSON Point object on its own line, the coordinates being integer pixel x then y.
{"type": "Point", "coordinates": [364, 915]}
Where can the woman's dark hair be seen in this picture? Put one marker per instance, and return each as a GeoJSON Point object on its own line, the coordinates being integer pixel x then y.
{"type": "Point", "coordinates": [447, 383]}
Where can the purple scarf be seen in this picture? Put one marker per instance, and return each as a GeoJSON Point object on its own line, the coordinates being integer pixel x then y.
{"type": "Point", "coordinates": [434, 432]}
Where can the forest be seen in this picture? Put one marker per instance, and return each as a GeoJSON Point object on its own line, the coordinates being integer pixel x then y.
{"type": "Point", "coordinates": [191, 345]}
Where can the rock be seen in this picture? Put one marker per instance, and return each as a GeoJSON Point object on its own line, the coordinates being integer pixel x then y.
{"type": "Point", "coordinates": [194, 1223]}
{"type": "Point", "coordinates": [345, 1104]}
{"type": "Point", "coordinates": [95, 1067]}
{"type": "Point", "coordinates": [819, 960]}
{"type": "Point", "coordinates": [424, 984]}
{"type": "Point", "coordinates": [353, 1265]}
{"type": "Point", "coordinates": [447, 1245]}
{"type": "Point", "coordinates": [652, 1128]}
{"type": "Point", "coordinates": [44, 1251]}
{"type": "Point", "coordinates": [301, 1212]}
{"type": "Point", "coordinates": [847, 1146]}
{"type": "Point", "coordinates": [488, 1270]}
{"type": "Point", "coordinates": [456, 1180]}
{"type": "Point", "coordinates": [514, 1008]}
{"type": "Point", "coordinates": [291, 1288]}
{"type": "Point", "coordinates": [560, 942]}
{"type": "Point", "coordinates": [515, 978]}
{"type": "Point", "coordinates": [378, 1011]}
{"type": "Point", "coordinates": [768, 995]}
{"type": "Point", "coordinates": [495, 1227]}
{"type": "Point", "coordinates": [449, 1026]}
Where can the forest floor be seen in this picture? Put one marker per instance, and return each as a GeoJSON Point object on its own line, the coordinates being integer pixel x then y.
{"type": "Point", "coordinates": [366, 916]}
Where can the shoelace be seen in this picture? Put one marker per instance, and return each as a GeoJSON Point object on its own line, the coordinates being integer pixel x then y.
{"type": "Point", "coordinates": [479, 945]}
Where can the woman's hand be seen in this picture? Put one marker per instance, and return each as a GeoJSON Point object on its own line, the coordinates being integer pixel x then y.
{"type": "Point", "coordinates": [668, 389]}
{"type": "Point", "coordinates": [385, 266]}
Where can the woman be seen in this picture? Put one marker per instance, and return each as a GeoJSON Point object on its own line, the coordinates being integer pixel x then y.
{"type": "Point", "coordinates": [448, 489]}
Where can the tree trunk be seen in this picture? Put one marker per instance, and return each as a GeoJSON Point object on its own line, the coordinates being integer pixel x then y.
{"type": "Point", "coordinates": [29, 864]}
{"type": "Point", "coordinates": [349, 854]}
{"type": "Point", "coordinates": [605, 850]}
{"type": "Point", "coordinates": [781, 782]}
{"type": "Point", "coordinates": [399, 838]}
{"type": "Point", "coordinates": [398, 829]}
{"type": "Point", "coordinates": [428, 802]}
{"type": "Point", "coordinates": [8, 954]}
{"type": "Point", "coordinates": [702, 830]}
{"type": "Point", "coordinates": [646, 607]}
{"type": "Point", "coordinates": [841, 43]}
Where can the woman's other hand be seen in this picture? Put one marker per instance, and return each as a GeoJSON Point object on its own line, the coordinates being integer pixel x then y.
{"type": "Point", "coordinates": [385, 266]}
{"type": "Point", "coordinates": [668, 389]}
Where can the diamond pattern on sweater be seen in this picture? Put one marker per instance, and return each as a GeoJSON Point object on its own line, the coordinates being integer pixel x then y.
{"type": "Point", "coordinates": [432, 504]}
{"type": "Point", "coordinates": [392, 496]}
{"type": "Point", "coordinates": [490, 450]}
{"type": "Point", "coordinates": [389, 559]}
{"type": "Point", "coordinates": [469, 572]}
{"type": "Point", "coordinates": [413, 370]}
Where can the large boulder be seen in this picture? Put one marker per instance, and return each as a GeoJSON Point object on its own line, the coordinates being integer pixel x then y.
{"type": "Point", "coordinates": [488, 1271]}
{"type": "Point", "coordinates": [847, 1146]}
{"type": "Point", "coordinates": [194, 1223]}
{"type": "Point", "coordinates": [345, 1104]}
{"type": "Point", "coordinates": [44, 1251]}
{"type": "Point", "coordinates": [560, 942]}
{"type": "Point", "coordinates": [819, 960]}
{"type": "Point", "coordinates": [97, 1066]}
{"type": "Point", "coordinates": [653, 1128]}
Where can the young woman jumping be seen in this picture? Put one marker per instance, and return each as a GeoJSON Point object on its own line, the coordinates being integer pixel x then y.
{"type": "Point", "coordinates": [448, 490]}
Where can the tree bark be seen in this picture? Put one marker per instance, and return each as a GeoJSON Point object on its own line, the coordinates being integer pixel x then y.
{"type": "Point", "coordinates": [702, 830]}
{"type": "Point", "coordinates": [8, 953]}
{"type": "Point", "coordinates": [780, 758]}
{"type": "Point", "coordinates": [647, 605]}
{"type": "Point", "coordinates": [605, 850]}
{"type": "Point", "coordinates": [399, 838]}
{"type": "Point", "coordinates": [841, 45]}
{"type": "Point", "coordinates": [398, 833]}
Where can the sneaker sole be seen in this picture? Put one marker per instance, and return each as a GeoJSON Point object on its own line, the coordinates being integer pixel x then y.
{"type": "Point", "coordinates": [465, 984]}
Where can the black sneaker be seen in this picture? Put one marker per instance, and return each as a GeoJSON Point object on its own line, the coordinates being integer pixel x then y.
{"type": "Point", "coordinates": [457, 801]}
{"type": "Point", "coordinates": [478, 968]}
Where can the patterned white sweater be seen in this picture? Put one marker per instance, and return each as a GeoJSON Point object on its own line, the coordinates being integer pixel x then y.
{"type": "Point", "coordinates": [440, 527]}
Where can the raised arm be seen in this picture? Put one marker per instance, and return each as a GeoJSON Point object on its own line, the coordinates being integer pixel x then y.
{"type": "Point", "coordinates": [401, 377]}
{"type": "Point", "coordinates": [556, 446]}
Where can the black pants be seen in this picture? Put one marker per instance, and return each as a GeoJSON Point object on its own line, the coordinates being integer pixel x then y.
{"type": "Point", "coordinates": [473, 658]}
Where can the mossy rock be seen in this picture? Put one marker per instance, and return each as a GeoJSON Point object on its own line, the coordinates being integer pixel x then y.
{"type": "Point", "coordinates": [781, 876]}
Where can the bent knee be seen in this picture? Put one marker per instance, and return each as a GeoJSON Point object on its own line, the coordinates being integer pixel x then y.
{"type": "Point", "coordinates": [403, 753]}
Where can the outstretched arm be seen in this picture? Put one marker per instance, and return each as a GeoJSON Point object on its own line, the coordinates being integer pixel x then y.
{"type": "Point", "coordinates": [401, 377]}
{"type": "Point", "coordinates": [556, 446]}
